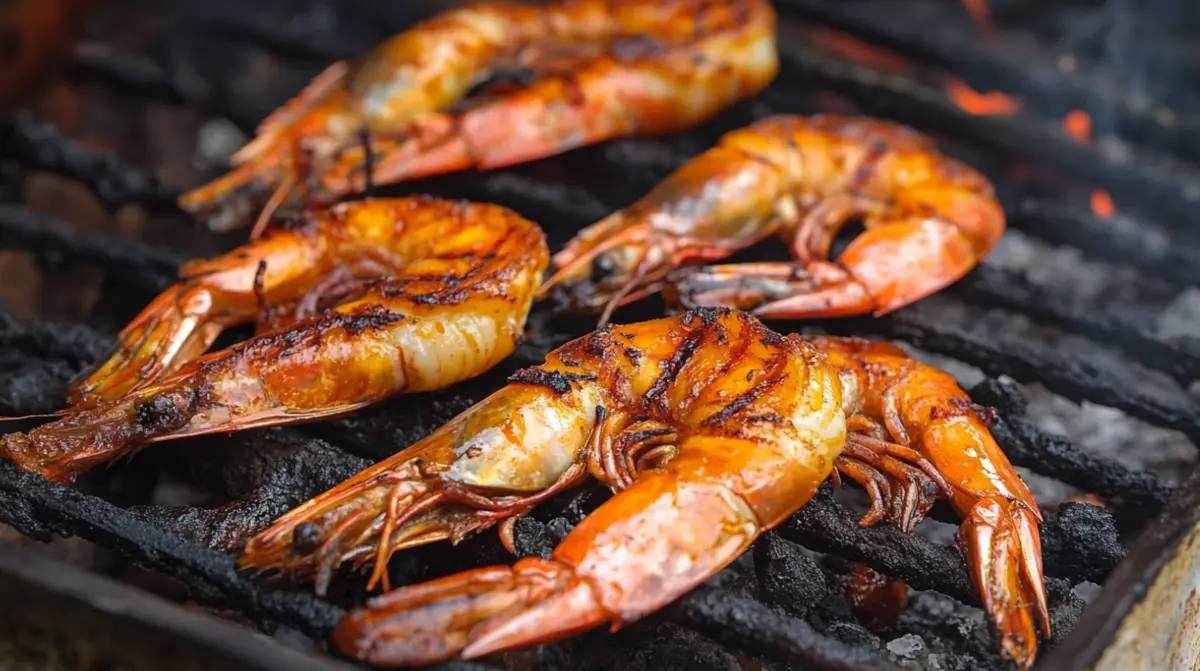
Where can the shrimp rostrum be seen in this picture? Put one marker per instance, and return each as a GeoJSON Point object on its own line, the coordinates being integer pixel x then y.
{"type": "Point", "coordinates": [929, 220]}
{"type": "Point", "coordinates": [595, 70]}
{"type": "Point", "coordinates": [353, 304]}
{"type": "Point", "coordinates": [710, 429]}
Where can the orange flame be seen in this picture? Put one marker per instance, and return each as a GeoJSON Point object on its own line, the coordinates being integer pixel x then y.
{"type": "Point", "coordinates": [863, 53]}
{"type": "Point", "coordinates": [992, 103]}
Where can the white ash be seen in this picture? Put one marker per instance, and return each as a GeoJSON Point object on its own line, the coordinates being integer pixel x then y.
{"type": "Point", "coordinates": [216, 140]}
{"type": "Point", "coordinates": [1181, 316]}
{"type": "Point", "coordinates": [908, 646]}
{"type": "Point", "coordinates": [1063, 267]}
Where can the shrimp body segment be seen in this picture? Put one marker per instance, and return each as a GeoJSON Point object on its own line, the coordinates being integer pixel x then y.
{"type": "Point", "coordinates": [354, 304]}
{"type": "Point", "coordinates": [602, 69]}
{"type": "Point", "coordinates": [708, 427]}
{"type": "Point", "coordinates": [929, 219]}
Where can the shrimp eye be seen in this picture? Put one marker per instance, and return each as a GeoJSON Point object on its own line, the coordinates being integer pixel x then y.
{"type": "Point", "coordinates": [306, 537]}
{"type": "Point", "coordinates": [603, 267]}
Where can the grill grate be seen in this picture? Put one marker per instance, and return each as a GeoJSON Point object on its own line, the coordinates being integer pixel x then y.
{"type": "Point", "coordinates": [259, 475]}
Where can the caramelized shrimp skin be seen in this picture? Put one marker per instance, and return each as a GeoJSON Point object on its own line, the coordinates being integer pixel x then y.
{"type": "Point", "coordinates": [603, 69]}
{"type": "Point", "coordinates": [710, 429]}
{"type": "Point", "coordinates": [429, 293]}
{"type": "Point", "coordinates": [929, 220]}
{"type": "Point", "coordinates": [912, 406]}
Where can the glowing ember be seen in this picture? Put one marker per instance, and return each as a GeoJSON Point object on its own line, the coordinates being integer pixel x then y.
{"type": "Point", "coordinates": [992, 103]}
{"type": "Point", "coordinates": [854, 49]}
{"type": "Point", "coordinates": [1078, 124]}
{"type": "Point", "coordinates": [980, 14]}
{"type": "Point", "coordinates": [1102, 204]}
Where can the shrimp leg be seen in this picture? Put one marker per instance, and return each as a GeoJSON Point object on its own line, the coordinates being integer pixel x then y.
{"type": "Point", "coordinates": [740, 428]}
{"type": "Point", "coordinates": [691, 518]}
{"type": "Point", "coordinates": [929, 220]}
{"type": "Point", "coordinates": [928, 416]}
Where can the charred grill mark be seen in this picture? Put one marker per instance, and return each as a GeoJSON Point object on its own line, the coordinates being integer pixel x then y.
{"type": "Point", "coordinates": [638, 436]}
{"type": "Point", "coordinates": [735, 356]}
{"type": "Point", "coordinates": [766, 418]}
{"type": "Point", "coordinates": [634, 355]}
{"type": "Point", "coordinates": [708, 315]}
{"type": "Point", "coordinates": [772, 379]}
{"type": "Point", "coordinates": [670, 369]}
{"type": "Point", "coordinates": [961, 407]}
{"type": "Point", "coordinates": [367, 318]}
{"type": "Point", "coordinates": [557, 381]}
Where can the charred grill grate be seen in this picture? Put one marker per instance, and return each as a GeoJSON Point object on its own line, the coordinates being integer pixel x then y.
{"type": "Point", "coordinates": [754, 608]}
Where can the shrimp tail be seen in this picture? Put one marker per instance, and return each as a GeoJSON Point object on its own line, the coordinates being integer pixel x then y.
{"type": "Point", "coordinates": [173, 329]}
{"type": "Point", "coordinates": [886, 268]}
{"type": "Point", "coordinates": [999, 539]}
{"type": "Point", "coordinates": [268, 166]}
{"type": "Point", "coordinates": [471, 614]}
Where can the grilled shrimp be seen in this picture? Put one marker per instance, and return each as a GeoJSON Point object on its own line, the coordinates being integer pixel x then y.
{"type": "Point", "coordinates": [354, 304]}
{"type": "Point", "coordinates": [929, 219]}
{"type": "Point", "coordinates": [605, 68]}
{"type": "Point", "coordinates": [710, 429]}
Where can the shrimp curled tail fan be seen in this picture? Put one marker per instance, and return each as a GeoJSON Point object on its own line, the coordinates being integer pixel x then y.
{"type": "Point", "coordinates": [354, 304]}
{"type": "Point", "coordinates": [602, 69]}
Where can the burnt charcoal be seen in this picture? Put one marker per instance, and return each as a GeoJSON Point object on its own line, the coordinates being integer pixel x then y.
{"type": "Point", "coordinates": [773, 607]}
{"type": "Point", "coordinates": [149, 268]}
{"type": "Point", "coordinates": [1082, 541]}
{"type": "Point", "coordinates": [735, 620]}
{"type": "Point", "coordinates": [32, 387]}
{"type": "Point", "coordinates": [264, 473]}
{"type": "Point", "coordinates": [670, 646]}
{"type": "Point", "coordinates": [1019, 66]}
{"type": "Point", "coordinates": [853, 633]}
{"type": "Point", "coordinates": [1147, 183]}
{"type": "Point", "coordinates": [988, 286]}
{"type": "Point", "coordinates": [41, 509]}
{"type": "Point", "coordinates": [1138, 495]}
{"type": "Point", "coordinates": [1079, 376]}
{"type": "Point", "coordinates": [1139, 244]}
{"type": "Point", "coordinates": [788, 578]}
{"type": "Point", "coordinates": [40, 146]}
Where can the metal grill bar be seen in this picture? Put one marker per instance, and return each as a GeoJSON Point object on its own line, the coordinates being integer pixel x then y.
{"type": "Point", "coordinates": [1138, 244]}
{"type": "Point", "coordinates": [1134, 178]}
{"type": "Point", "coordinates": [125, 258]}
{"type": "Point", "coordinates": [1003, 63]}
{"type": "Point", "coordinates": [993, 287]}
{"type": "Point", "coordinates": [1117, 480]}
{"type": "Point", "coordinates": [39, 146]}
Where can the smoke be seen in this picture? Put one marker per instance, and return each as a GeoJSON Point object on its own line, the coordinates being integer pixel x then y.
{"type": "Point", "coordinates": [1137, 50]}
